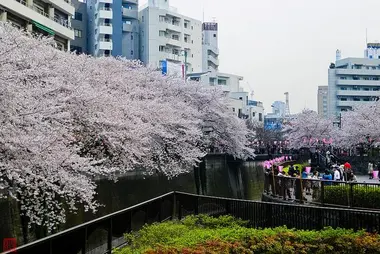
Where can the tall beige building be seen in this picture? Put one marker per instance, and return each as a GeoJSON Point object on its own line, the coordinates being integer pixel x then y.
{"type": "Point", "coordinates": [322, 100]}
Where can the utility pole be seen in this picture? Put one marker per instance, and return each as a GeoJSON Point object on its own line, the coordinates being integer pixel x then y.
{"type": "Point", "coordinates": [185, 70]}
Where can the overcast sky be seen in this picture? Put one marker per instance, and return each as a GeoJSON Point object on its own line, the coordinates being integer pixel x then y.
{"type": "Point", "coordinates": [286, 45]}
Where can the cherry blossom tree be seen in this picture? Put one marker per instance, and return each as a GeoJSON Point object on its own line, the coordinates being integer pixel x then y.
{"type": "Point", "coordinates": [66, 119]}
{"type": "Point", "coordinates": [307, 129]}
{"type": "Point", "coordinates": [359, 126]}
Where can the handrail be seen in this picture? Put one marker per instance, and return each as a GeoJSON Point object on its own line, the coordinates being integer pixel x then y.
{"type": "Point", "coordinates": [178, 199]}
{"type": "Point", "coordinates": [83, 225]}
{"type": "Point", "coordinates": [269, 203]}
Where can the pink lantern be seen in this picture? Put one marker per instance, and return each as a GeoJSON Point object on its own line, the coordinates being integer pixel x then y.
{"type": "Point", "coordinates": [286, 157]}
{"type": "Point", "coordinates": [280, 168]}
{"type": "Point", "coordinates": [376, 174]}
{"type": "Point", "coordinates": [290, 157]}
{"type": "Point", "coordinates": [308, 170]}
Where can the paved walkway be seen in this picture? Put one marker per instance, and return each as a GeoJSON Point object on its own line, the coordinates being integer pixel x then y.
{"type": "Point", "coordinates": [366, 179]}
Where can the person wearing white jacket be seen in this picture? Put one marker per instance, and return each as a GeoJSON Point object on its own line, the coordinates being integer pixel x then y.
{"type": "Point", "coordinates": [337, 175]}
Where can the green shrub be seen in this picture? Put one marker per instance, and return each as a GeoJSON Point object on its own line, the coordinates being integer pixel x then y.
{"type": "Point", "coordinates": [360, 195]}
{"type": "Point", "coordinates": [203, 234]}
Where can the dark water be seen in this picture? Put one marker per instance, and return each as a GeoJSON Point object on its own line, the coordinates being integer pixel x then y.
{"type": "Point", "coordinates": [216, 177]}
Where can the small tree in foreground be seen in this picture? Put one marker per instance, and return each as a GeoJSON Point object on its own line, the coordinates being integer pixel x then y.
{"type": "Point", "coordinates": [67, 118]}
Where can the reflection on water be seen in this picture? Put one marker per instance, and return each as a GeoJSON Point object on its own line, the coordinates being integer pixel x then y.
{"type": "Point", "coordinates": [217, 176]}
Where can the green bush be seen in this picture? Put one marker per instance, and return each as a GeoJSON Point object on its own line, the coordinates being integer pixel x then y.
{"type": "Point", "coordinates": [203, 234]}
{"type": "Point", "coordinates": [360, 195]}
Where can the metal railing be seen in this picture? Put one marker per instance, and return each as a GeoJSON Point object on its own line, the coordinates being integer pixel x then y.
{"type": "Point", "coordinates": [62, 22]}
{"type": "Point", "coordinates": [104, 234]}
{"type": "Point", "coordinates": [321, 192]}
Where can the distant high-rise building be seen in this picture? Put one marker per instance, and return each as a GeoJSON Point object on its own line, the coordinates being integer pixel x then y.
{"type": "Point", "coordinates": [322, 100]}
{"type": "Point", "coordinates": [169, 39]}
{"type": "Point", "coordinates": [353, 81]}
{"type": "Point", "coordinates": [210, 61]}
{"type": "Point", "coordinates": [47, 17]}
{"type": "Point", "coordinates": [79, 25]}
{"type": "Point", "coordinates": [113, 28]}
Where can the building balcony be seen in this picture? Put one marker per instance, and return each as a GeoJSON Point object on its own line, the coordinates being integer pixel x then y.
{"type": "Point", "coordinates": [131, 1]}
{"type": "Point", "coordinates": [106, 1]}
{"type": "Point", "coordinates": [350, 82]}
{"type": "Point", "coordinates": [105, 44]}
{"type": "Point", "coordinates": [32, 13]}
{"type": "Point", "coordinates": [105, 13]}
{"type": "Point", "coordinates": [173, 42]}
{"type": "Point", "coordinates": [105, 28]}
{"type": "Point", "coordinates": [357, 93]}
{"type": "Point", "coordinates": [166, 25]}
{"type": "Point", "coordinates": [170, 56]}
{"type": "Point", "coordinates": [357, 72]}
{"type": "Point", "coordinates": [127, 28]}
{"type": "Point", "coordinates": [130, 13]}
{"type": "Point", "coordinates": [350, 103]}
{"type": "Point", "coordinates": [64, 6]}
{"type": "Point", "coordinates": [212, 48]}
{"type": "Point", "coordinates": [213, 59]}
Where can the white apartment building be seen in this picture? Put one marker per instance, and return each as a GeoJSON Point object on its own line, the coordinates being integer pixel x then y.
{"type": "Point", "coordinates": [352, 81]}
{"type": "Point", "coordinates": [322, 95]}
{"type": "Point", "coordinates": [169, 38]}
{"type": "Point", "coordinates": [210, 57]}
{"type": "Point", "coordinates": [48, 17]}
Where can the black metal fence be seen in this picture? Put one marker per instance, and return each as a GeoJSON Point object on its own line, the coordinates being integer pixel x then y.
{"type": "Point", "coordinates": [104, 234]}
{"type": "Point", "coordinates": [320, 192]}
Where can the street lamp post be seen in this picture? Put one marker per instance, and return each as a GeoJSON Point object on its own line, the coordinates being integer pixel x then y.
{"type": "Point", "coordinates": [185, 70]}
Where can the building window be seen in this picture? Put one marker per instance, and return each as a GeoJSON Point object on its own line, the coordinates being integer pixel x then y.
{"type": "Point", "coordinates": [356, 99]}
{"type": "Point", "coordinates": [241, 98]}
{"type": "Point", "coordinates": [78, 33]}
{"type": "Point", "coordinates": [214, 35]}
{"type": "Point", "coordinates": [96, 31]}
{"type": "Point", "coordinates": [96, 46]}
{"type": "Point", "coordinates": [131, 37]}
{"type": "Point", "coordinates": [260, 117]}
{"type": "Point", "coordinates": [233, 109]}
{"type": "Point", "coordinates": [78, 16]}
{"type": "Point", "coordinates": [96, 15]}
{"type": "Point", "coordinates": [161, 48]}
{"type": "Point", "coordinates": [131, 52]}
{"type": "Point", "coordinates": [343, 99]}
{"type": "Point", "coordinates": [222, 82]}
{"type": "Point", "coordinates": [142, 18]}
{"type": "Point", "coordinates": [253, 114]}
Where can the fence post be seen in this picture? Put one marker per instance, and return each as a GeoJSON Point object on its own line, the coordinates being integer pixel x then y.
{"type": "Point", "coordinates": [160, 209]}
{"type": "Point", "coordinates": [174, 212]}
{"type": "Point", "coordinates": [196, 205]}
{"type": "Point", "coordinates": [269, 218]}
{"type": "Point", "coordinates": [322, 198]}
{"type": "Point", "coordinates": [351, 196]}
{"type": "Point", "coordinates": [228, 211]}
{"type": "Point", "coordinates": [109, 237]}
{"type": "Point", "coordinates": [84, 241]}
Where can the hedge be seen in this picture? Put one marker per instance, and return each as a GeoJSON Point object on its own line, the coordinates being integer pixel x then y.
{"type": "Point", "coordinates": [203, 234]}
{"type": "Point", "coordinates": [366, 196]}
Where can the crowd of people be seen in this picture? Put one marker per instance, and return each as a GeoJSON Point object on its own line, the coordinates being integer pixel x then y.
{"type": "Point", "coordinates": [302, 182]}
